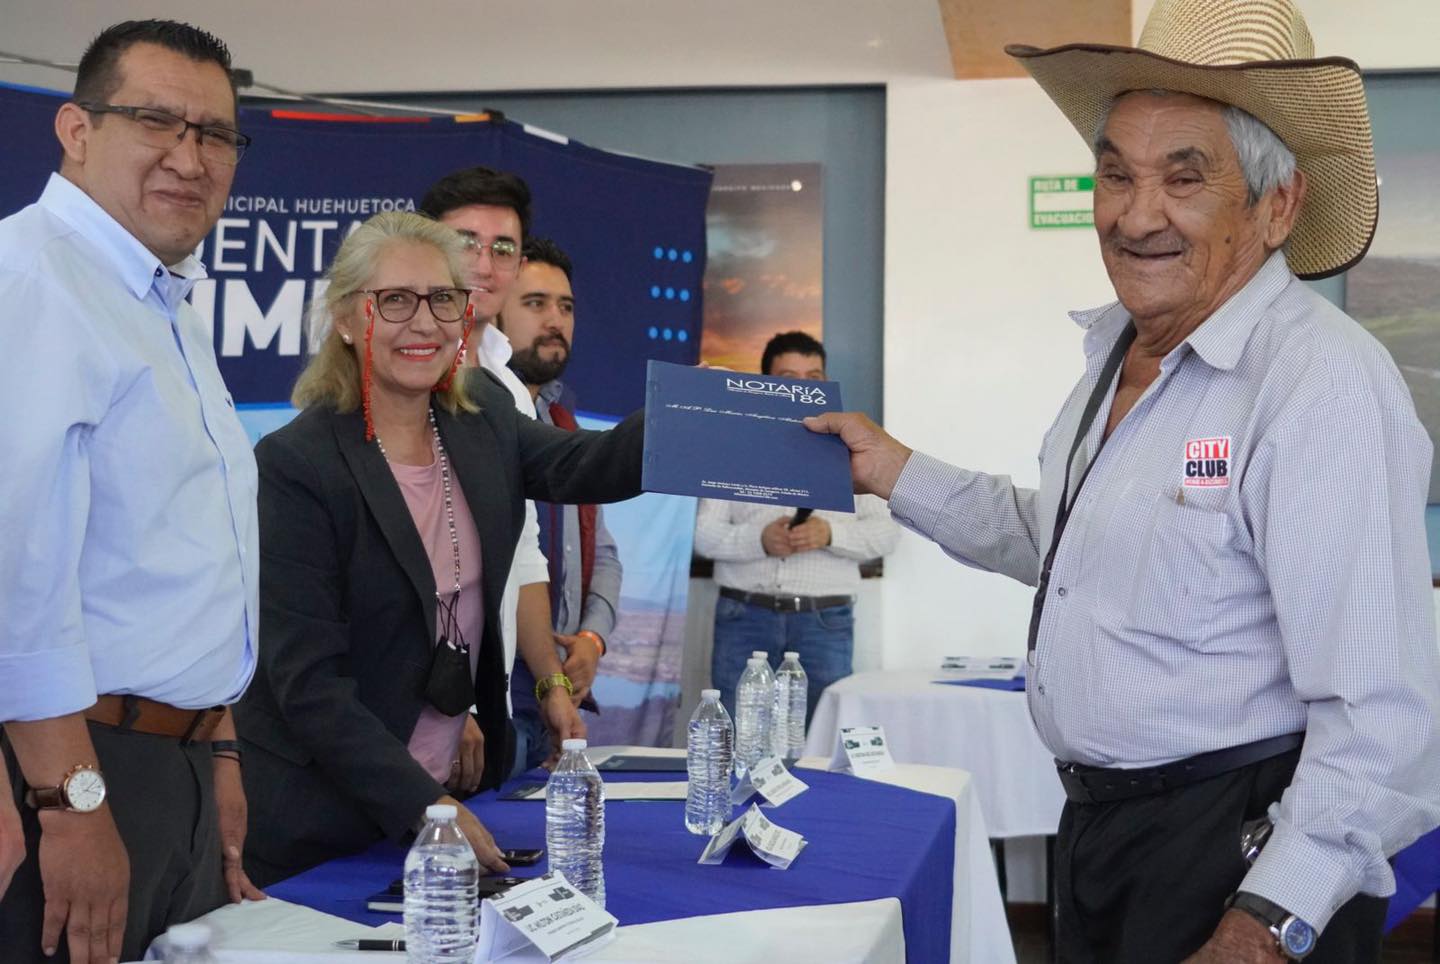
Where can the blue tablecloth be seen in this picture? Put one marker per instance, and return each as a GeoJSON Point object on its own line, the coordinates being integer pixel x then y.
{"type": "Point", "coordinates": [1015, 684]}
{"type": "Point", "coordinates": [1417, 876]}
{"type": "Point", "coordinates": [866, 841]}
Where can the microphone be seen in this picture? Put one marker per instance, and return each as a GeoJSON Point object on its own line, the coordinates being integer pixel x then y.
{"type": "Point", "coordinates": [800, 516]}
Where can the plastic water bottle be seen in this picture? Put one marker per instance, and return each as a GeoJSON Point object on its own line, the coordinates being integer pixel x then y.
{"type": "Point", "coordinates": [441, 906]}
{"type": "Point", "coordinates": [769, 736]}
{"type": "Point", "coordinates": [709, 759]}
{"type": "Point", "coordinates": [188, 944]}
{"type": "Point", "coordinates": [754, 699]}
{"type": "Point", "coordinates": [792, 689]}
{"type": "Point", "coordinates": [575, 821]}
{"type": "Point", "coordinates": [779, 715]}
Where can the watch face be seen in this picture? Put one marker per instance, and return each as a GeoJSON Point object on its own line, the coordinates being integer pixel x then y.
{"type": "Point", "coordinates": [1298, 937]}
{"type": "Point", "coordinates": [85, 790]}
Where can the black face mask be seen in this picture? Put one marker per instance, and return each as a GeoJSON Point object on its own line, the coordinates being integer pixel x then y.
{"type": "Point", "coordinates": [449, 687]}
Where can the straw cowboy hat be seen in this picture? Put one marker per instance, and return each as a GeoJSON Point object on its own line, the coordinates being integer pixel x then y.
{"type": "Point", "coordinates": [1258, 56]}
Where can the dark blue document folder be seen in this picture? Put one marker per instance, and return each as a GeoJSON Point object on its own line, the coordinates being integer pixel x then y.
{"type": "Point", "coordinates": [732, 435]}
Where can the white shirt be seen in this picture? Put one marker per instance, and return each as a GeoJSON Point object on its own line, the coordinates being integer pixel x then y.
{"type": "Point", "coordinates": [129, 544]}
{"type": "Point", "coordinates": [529, 565]}
{"type": "Point", "coordinates": [729, 533]}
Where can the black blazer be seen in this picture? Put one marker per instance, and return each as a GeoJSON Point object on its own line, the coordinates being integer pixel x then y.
{"type": "Point", "coordinates": [347, 614]}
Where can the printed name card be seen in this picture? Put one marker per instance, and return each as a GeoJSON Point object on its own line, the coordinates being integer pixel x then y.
{"type": "Point", "coordinates": [865, 749]}
{"type": "Point", "coordinates": [981, 667]}
{"type": "Point", "coordinates": [772, 781]}
{"type": "Point", "coordinates": [541, 920]}
{"type": "Point", "coordinates": [770, 842]}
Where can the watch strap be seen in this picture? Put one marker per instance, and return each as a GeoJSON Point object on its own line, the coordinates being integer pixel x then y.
{"type": "Point", "coordinates": [57, 797]}
{"type": "Point", "coordinates": [1265, 911]}
{"type": "Point", "coordinates": [1281, 923]}
{"type": "Point", "coordinates": [46, 798]}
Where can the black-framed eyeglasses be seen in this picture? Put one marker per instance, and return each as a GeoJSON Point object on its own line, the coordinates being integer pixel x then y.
{"type": "Point", "coordinates": [163, 129]}
{"type": "Point", "coordinates": [398, 305]}
{"type": "Point", "coordinates": [504, 253]}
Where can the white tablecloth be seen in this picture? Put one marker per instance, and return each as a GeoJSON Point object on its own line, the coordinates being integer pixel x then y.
{"type": "Point", "coordinates": [868, 932]}
{"type": "Point", "coordinates": [983, 731]}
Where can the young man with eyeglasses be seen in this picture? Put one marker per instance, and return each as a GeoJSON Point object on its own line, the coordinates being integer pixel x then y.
{"type": "Point", "coordinates": [128, 571]}
{"type": "Point", "coordinates": [491, 210]}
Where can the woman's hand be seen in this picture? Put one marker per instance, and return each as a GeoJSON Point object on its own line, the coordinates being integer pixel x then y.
{"type": "Point", "coordinates": [469, 763]}
{"type": "Point", "coordinates": [480, 840]}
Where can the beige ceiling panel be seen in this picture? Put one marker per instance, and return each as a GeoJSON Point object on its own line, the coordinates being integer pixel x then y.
{"type": "Point", "coordinates": [978, 30]}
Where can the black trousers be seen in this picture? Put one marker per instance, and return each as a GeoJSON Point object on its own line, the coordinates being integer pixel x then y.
{"type": "Point", "coordinates": [163, 802]}
{"type": "Point", "coordinates": [1145, 880]}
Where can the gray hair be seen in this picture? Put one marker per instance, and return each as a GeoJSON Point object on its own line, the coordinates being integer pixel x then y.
{"type": "Point", "coordinates": [1264, 159]}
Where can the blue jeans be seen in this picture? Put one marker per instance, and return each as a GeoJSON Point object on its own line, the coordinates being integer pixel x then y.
{"type": "Point", "coordinates": [824, 638]}
{"type": "Point", "coordinates": [532, 740]}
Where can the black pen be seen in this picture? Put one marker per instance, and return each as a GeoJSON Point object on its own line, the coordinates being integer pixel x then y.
{"type": "Point", "coordinates": [370, 944]}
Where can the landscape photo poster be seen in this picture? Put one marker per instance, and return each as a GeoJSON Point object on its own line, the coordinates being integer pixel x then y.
{"type": "Point", "coordinates": [764, 229]}
{"type": "Point", "coordinates": [1395, 292]}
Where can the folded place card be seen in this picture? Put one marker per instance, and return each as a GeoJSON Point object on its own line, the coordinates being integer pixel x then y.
{"type": "Point", "coordinates": [770, 842]}
{"type": "Point", "coordinates": [864, 749]}
{"type": "Point", "coordinates": [540, 921]}
{"type": "Point", "coordinates": [981, 667]}
{"type": "Point", "coordinates": [771, 780]}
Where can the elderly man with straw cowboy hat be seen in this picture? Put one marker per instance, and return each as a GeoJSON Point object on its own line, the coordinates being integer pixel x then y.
{"type": "Point", "coordinates": [1232, 649]}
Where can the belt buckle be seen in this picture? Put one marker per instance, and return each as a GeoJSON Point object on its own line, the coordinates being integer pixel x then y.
{"type": "Point", "coordinates": [795, 601]}
{"type": "Point", "coordinates": [1075, 786]}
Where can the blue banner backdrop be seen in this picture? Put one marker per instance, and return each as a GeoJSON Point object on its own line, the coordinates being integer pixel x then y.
{"type": "Point", "coordinates": [635, 229]}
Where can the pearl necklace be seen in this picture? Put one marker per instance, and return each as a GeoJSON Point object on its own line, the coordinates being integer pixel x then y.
{"type": "Point", "coordinates": [449, 500]}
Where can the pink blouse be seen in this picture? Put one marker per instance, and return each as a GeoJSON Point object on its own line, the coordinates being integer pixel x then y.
{"type": "Point", "coordinates": [436, 738]}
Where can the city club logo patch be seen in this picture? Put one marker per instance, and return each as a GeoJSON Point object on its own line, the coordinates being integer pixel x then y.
{"type": "Point", "coordinates": [1207, 462]}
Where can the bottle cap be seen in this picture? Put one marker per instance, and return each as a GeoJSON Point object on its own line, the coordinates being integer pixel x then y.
{"type": "Point", "coordinates": [573, 745]}
{"type": "Point", "coordinates": [709, 694]}
{"type": "Point", "coordinates": [188, 937]}
{"type": "Point", "coordinates": [760, 654]}
{"type": "Point", "coordinates": [440, 811]}
{"type": "Point", "coordinates": [792, 655]}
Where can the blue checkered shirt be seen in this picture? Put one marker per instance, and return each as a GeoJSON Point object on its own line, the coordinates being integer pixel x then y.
{"type": "Point", "coordinates": [1246, 559]}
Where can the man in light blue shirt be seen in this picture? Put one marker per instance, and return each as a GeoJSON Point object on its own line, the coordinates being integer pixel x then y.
{"type": "Point", "coordinates": [128, 568]}
{"type": "Point", "coordinates": [1234, 621]}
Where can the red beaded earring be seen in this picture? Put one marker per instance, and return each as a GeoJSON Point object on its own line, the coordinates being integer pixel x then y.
{"type": "Point", "coordinates": [365, 370]}
{"type": "Point", "coordinates": [444, 384]}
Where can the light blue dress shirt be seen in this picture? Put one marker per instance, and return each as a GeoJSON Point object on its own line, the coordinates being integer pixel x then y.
{"type": "Point", "coordinates": [128, 539]}
{"type": "Point", "coordinates": [1246, 559]}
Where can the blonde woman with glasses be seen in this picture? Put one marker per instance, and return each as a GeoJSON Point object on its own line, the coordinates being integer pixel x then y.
{"type": "Point", "coordinates": [389, 512]}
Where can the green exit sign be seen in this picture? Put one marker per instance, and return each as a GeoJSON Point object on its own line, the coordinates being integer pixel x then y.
{"type": "Point", "coordinates": [1067, 201]}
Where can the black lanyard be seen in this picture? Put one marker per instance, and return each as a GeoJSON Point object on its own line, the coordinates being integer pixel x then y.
{"type": "Point", "coordinates": [1067, 502]}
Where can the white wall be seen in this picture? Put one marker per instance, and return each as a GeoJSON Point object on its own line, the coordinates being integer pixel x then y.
{"type": "Point", "coordinates": [979, 353]}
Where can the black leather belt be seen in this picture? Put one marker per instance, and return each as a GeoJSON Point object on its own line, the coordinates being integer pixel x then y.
{"type": "Point", "coordinates": [1086, 784]}
{"type": "Point", "coordinates": [786, 604]}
